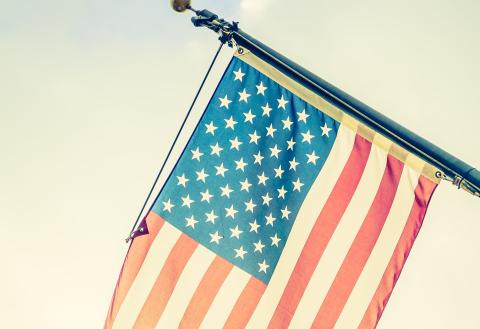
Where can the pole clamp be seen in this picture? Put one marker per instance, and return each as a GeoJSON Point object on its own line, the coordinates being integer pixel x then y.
{"type": "Point", "coordinates": [205, 18]}
{"type": "Point", "coordinates": [459, 182]}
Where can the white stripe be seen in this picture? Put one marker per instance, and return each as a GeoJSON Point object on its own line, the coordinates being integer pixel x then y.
{"type": "Point", "coordinates": [225, 299]}
{"type": "Point", "coordinates": [188, 281]}
{"type": "Point", "coordinates": [146, 277]}
{"type": "Point", "coordinates": [372, 273]}
{"type": "Point", "coordinates": [341, 240]}
{"type": "Point", "coordinates": [307, 215]}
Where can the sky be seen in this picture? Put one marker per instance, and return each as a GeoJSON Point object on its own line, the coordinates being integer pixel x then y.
{"type": "Point", "coordinates": [92, 93]}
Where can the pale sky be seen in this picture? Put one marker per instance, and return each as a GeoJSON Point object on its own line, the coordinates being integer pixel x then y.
{"type": "Point", "coordinates": [92, 93]}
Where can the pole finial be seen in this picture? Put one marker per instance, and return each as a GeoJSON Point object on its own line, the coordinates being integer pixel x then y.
{"type": "Point", "coordinates": [180, 5]}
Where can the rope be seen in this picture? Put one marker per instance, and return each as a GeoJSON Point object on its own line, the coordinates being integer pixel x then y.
{"type": "Point", "coordinates": [132, 232]}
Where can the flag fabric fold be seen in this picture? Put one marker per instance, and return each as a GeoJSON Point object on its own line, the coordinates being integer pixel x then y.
{"type": "Point", "coordinates": [282, 212]}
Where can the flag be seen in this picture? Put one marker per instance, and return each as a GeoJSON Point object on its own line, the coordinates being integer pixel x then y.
{"type": "Point", "coordinates": [281, 212]}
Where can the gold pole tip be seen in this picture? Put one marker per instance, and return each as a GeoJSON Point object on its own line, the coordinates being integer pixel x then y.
{"type": "Point", "coordinates": [180, 5]}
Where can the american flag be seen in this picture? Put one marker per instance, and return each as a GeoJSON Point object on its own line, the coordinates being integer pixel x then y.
{"type": "Point", "coordinates": [281, 212]}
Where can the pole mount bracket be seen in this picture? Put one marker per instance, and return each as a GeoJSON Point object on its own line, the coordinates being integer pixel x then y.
{"type": "Point", "coordinates": [459, 182]}
{"type": "Point", "coordinates": [205, 18]}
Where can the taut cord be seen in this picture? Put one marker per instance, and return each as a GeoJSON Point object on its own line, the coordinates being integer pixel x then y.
{"type": "Point", "coordinates": [132, 232]}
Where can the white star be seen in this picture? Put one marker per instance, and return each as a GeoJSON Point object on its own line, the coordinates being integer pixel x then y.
{"type": "Point", "coordinates": [325, 130]}
{"type": "Point", "coordinates": [235, 144]}
{"type": "Point", "coordinates": [293, 164]}
{"type": "Point", "coordinates": [279, 172]}
{"type": "Point", "coordinates": [211, 217]}
{"type": "Point", "coordinates": [254, 137]}
{"type": "Point", "coordinates": [263, 266]}
{"type": "Point", "coordinates": [254, 226]}
{"type": "Point", "coordinates": [259, 246]}
{"type": "Point", "coordinates": [187, 201]}
{"type": "Point", "coordinates": [224, 101]}
{"type": "Point", "coordinates": [196, 154]}
{"type": "Point", "coordinates": [266, 110]}
{"type": "Point", "coordinates": [167, 206]}
{"type": "Point", "coordinates": [258, 158]}
{"type": "Point", "coordinates": [275, 151]}
{"type": "Point", "coordinates": [261, 88]}
{"type": "Point", "coordinates": [275, 240]}
{"type": "Point", "coordinates": [312, 158]}
{"type": "Point", "coordinates": [249, 206]}
{"type": "Point", "coordinates": [211, 128]}
{"type": "Point", "coordinates": [201, 175]}
{"type": "Point", "coordinates": [270, 219]}
{"type": "Point", "coordinates": [215, 237]}
{"type": "Point", "coordinates": [226, 190]}
{"type": "Point", "coordinates": [240, 164]}
{"type": "Point", "coordinates": [231, 211]}
{"type": "Point", "coordinates": [302, 116]}
{"type": "Point", "coordinates": [282, 102]}
{"type": "Point", "coordinates": [307, 137]}
{"type": "Point", "coordinates": [297, 185]}
{"type": "Point", "coordinates": [245, 185]}
{"type": "Point", "coordinates": [182, 180]}
{"type": "Point", "coordinates": [266, 199]}
{"type": "Point", "coordinates": [290, 144]}
{"type": "Point", "coordinates": [216, 149]}
{"type": "Point", "coordinates": [206, 196]}
{"type": "Point", "coordinates": [240, 252]}
{"type": "Point", "coordinates": [285, 212]}
{"type": "Point", "coordinates": [238, 74]}
{"type": "Point", "coordinates": [249, 116]}
{"type": "Point", "coordinates": [221, 170]}
{"type": "Point", "coordinates": [230, 123]}
{"type": "Point", "coordinates": [271, 130]}
{"type": "Point", "coordinates": [244, 96]}
{"type": "Point", "coordinates": [262, 179]}
{"type": "Point", "coordinates": [287, 123]}
{"type": "Point", "coordinates": [235, 232]}
{"type": "Point", "coordinates": [191, 221]}
{"type": "Point", "coordinates": [281, 192]}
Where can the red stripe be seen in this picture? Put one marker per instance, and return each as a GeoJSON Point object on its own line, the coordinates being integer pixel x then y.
{"type": "Point", "coordinates": [361, 247]}
{"type": "Point", "coordinates": [165, 284]}
{"type": "Point", "coordinates": [245, 305]}
{"type": "Point", "coordinates": [321, 233]}
{"type": "Point", "coordinates": [133, 261]}
{"type": "Point", "coordinates": [205, 293]}
{"type": "Point", "coordinates": [423, 193]}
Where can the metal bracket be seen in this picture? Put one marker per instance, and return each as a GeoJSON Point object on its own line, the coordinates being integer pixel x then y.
{"type": "Point", "coordinates": [206, 18]}
{"type": "Point", "coordinates": [459, 182]}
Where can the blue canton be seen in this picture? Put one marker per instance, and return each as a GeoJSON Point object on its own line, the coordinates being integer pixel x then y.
{"type": "Point", "coordinates": [241, 180]}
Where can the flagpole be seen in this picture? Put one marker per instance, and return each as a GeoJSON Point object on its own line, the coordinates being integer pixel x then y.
{"type": "Point", "coordinates": [452, 169]}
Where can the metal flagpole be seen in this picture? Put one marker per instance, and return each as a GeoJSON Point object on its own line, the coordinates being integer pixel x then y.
{"type": "Point", "coordinates": [452, 169]}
